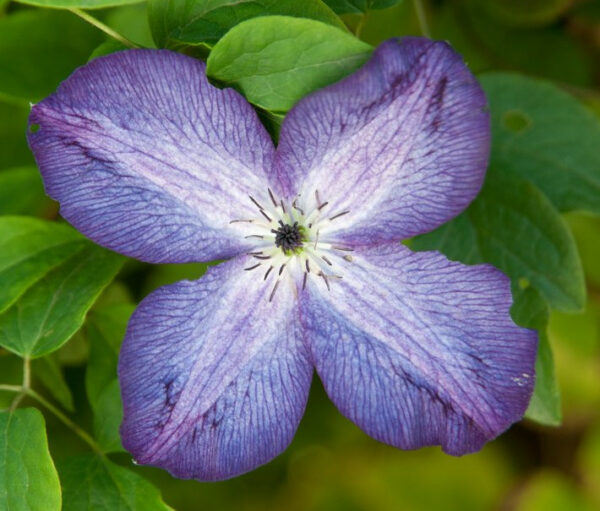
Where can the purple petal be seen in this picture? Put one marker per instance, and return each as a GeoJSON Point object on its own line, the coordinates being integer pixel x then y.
{"type": "Point", "coordinates": [402, 143]}
{"type": "Point", "coordinates": [213, 375]}
{"type": "Point", "coordinates": [148, 159]}
{"type": "Point", "coordinates": [418, 350]}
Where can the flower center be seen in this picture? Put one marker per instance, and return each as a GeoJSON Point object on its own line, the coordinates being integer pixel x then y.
{"type": "Point", "coordinates": [289, 237]}
{"type": "Point", "coordinates": [292, 241]}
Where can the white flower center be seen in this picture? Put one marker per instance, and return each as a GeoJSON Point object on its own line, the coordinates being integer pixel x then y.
{"type": "Point", "coordinates": [289, 243]}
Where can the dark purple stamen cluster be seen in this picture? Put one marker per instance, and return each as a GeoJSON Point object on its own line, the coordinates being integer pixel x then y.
{"type": "Point", "coordinates": [288, 237]}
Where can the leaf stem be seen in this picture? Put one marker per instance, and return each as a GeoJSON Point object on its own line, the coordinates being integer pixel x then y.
{"type": "Point", "coordinates": [422, 17]}
{"type": "Point", "coordinates": [22, 391]}
{"type": "Point", "coordinates": [105, 28]}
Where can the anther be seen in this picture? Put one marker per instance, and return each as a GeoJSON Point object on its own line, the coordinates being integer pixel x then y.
{"type": "Point", "coordinates": [261, 256]}
{"type": "Point", "coordinates": [272, 197]}
{"type": "Point", "coordinates": [281, 269]}
{"type": "Point", "coordinates": [273, 292]}
{"type": "Point", "coordinates": [307, 266]}
{"type": "Point", "coordinates": [326, 260]}
{"type": "Point", "coordinates": [282, 206]}
{"type": "Point", "coordinates": [267, 272]}
{"type": "Point", "coordinates": [252, 267]}
{"type": "Point", "coordinates": [321, 274]}
{"type": "Point", "coordinates": [304, 281]}
{"type": "Point", "coordinates": [259, 236]}
{"type": "Point", "coordinates": [339, 215]}
{"type": "Point", "coordinates": [265, 215]}
{"type": "Point", "coordinates": [295, 206]}
{"type": "Point", "coordinates": [256, 202]}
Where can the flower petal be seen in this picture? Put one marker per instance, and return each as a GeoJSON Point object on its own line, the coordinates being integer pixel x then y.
{"type": "Point", "coordinates": [402, 144]}
{"type": "Point", "coordinates": [148, 159]}
{"type": "Point", "coordinates": [418, 350]}
{"type": "Point", "coordinates": [214, 378]}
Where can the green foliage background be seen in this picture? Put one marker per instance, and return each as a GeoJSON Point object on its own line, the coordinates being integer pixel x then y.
{"type": "Point", "coordinates": [536, 218]}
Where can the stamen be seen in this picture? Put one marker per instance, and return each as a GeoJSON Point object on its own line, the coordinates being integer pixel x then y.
{"type": "Point", "coordinates": [273, 292]}
{"type": "Point", "coordinates": [261, 256]}
{"type": "Point", "coordinates": [281, 268]}
{"type": "Point", "coordinates": [272, 197]}
{"type": "Point", "coordinates": [307, 266]}
{"type": "Point", "coordinates": [323, 205]}
{"type": "Point", "coordinates": [304, 281]}
{"type": "Point", "coordinates": [339, 215]}
{"type": "Point", "coordinates": [326, 260]}
{"type": "Point", "coordinates": [256, 202]}
{"type": "Point", "coordinates": [267, 273]}
{"type": "Point", "coordinates": [252, 267]}
{"type": "Point", "coordinates": [318, 199]}
{"type": "Point", "coordinates": [348, 258]}
{"type": "Point", "coordinates": [316, 239]}
{"type": "Point", "coordinates": [241, 221]}
{"type": "Point", "coordinates": [265, 215]}
{"type": "Point", "coordinates": [321, 274]}
{"type": "Point", "coordinates": [343, 249]}
{"type": "Point", "coordinates": [283, 207]}
{"type": "Point", "coordinates": [259, 236]}
{"type": "Point", "coordinates": [295, 206]}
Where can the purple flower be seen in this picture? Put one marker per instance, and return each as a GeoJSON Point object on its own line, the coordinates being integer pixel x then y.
{"type": "Point", "coordinates": [148, 159]}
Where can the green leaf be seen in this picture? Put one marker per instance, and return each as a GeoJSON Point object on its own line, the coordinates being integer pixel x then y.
{"type": "Point", "coordinates": [28, 479]}
{"type": "Point", "coordinates": [530, 310]}
{"type": "Point", "coordinates": [131, 21]}
{"type": "Point", "coordinates": [108, 415]}
{"type": "Point", "coordinates": [13, 124]}
{"type": "Point", "coordinates": [39, 49]}
{"type": "Point", "coordinates": [359, 6]}
{"type": "Point", "coordinates": [106, 48]}
{"type": "Point", "coordinates": [29, 248]}
{"type": "Point", "coordinates": [513, 226]}
{"type": "Point", "coordinates": [51, 311]}
{"type": "Point", "coordinates": [48, 371]}
{"type": "Point", "coordinates": [549, 52]}
{"type": "Point", "coordinates": [22, 192]}
{"type": "Point", "coordinates": [92, 483]}
{"type": "Point", "coordinates": [193, 22]}
{"type": "Point", "coordinates": [544, 135]}
{"type": "Point", "coordinates": [82, 4]}
{"type": "Point", "coordinates": [276, 60]}
{"type": "Point", "coordinates": [531, 13]}
{"type": "Point", "coordinates": [106, 329]}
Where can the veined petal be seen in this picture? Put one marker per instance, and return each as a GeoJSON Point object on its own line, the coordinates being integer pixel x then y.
{"type": "Point", "coordinates": [213, 375]}
{"type": "Point", "coordinates": [418, 350]}
{"type": "Point", "coordinates": [149, 159]}
{"type": "Point", "coordinates": [402, 144]}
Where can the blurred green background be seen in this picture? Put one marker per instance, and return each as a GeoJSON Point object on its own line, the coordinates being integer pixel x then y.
{"type": "Point", "coordinates": [331, 465]}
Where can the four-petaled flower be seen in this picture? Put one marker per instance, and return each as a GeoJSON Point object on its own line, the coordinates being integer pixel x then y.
{"type": "Point", "coordinates": [148, 159]}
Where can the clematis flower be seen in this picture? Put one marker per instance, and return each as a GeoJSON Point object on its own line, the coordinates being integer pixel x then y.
{"type": "Point", "coordinates": [150, 160]}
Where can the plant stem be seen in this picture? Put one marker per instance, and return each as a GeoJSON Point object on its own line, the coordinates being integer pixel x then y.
{"type": "Point", "coordinates": [26, 384]}
{"type": "Point", "coordinates": [422, 17]}
{"type": "Point", "coordinates": [11, 388]}
{"type": "Point", "coordinates": [101, 26]}
{"type": "Point", "coordinates": [22, 391]}
{"type": "Point", "coordinates": [360, 25]}
{"type": "Point", "coordinates": [67, 422]}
